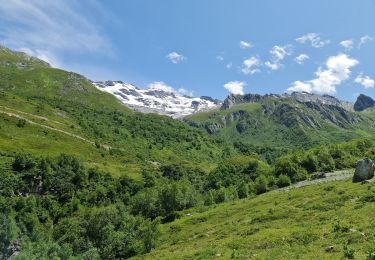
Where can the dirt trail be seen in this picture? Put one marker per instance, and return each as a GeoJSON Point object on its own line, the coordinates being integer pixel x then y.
{"type": "Point", "coordinates": [331, 176]}
{"type": "Point", "coordinates": [43, 126]}
{"type": "Point", "coordinates": [32, 115]}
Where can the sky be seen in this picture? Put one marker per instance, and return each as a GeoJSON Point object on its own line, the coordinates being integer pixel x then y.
{"type": "Point", "coordinates": [210, 47]}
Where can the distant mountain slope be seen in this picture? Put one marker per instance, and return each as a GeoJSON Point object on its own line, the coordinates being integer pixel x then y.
{"type": "Point", "coordinates": [48, 111]}
{"type": "Point", "coordinates": [298, 120]}
{"type": "Point", "coordinates": [157, 100]}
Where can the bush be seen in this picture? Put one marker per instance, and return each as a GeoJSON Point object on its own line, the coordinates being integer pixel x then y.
{"type": "Point", "coordinates": [21, 123]}
{"type": "Point", "coordinates": [261, 185]}
{"type": "Point", "coordinates": [283, 181]}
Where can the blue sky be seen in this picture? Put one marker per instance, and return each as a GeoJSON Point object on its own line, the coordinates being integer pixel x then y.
{"type": "Point", "coordinates": [210, 47]}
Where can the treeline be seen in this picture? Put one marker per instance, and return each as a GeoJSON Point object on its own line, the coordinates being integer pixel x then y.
{"type": "Point", "coordinates": [57, 208]}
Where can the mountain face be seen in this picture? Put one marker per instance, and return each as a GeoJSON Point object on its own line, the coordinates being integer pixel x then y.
{"type": "Point", "coordinates": [157, 100]}
{"type": "Point", "coordinates": [302, 97]}
{"type": "Point", "coordinates": [363, 102]}
{"type": "Point", "coordinates": [284, 121]}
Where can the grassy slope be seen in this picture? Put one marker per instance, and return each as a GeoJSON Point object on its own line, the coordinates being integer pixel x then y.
{"type": "Point", "coordinates": [68, 102]}
{"type": "Point", "coordinates": [265, 131]}
{"type": "Point", "coordinates": [296, 224]}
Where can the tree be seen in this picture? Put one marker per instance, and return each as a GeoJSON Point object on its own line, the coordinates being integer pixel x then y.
{"type": "Point", "coordinates": [8, 234]}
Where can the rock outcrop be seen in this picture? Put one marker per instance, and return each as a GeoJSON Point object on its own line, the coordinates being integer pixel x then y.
{"type": "Point", "coordinates": [364, 170]}
{"type": "Point", "coordinates": [363, 102]}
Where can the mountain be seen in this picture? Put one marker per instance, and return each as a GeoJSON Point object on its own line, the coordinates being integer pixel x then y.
{"type": "Point", "coordinates": [156, 99]}
{"type": "Point", "coordinates": [48, 111]}
{"type": "Point", "coordinates": [363, 102]}
{"type": "Point", "coordinates": [288, 121]}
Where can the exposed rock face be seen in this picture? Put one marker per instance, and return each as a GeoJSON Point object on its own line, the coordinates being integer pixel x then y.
{"type": "Point", "coordinates": [305, 97]}
{"type": "Point", "coordinates": [290, 110]}
{"type": "Point", "coordinates": [364, 170]}
{"type": "Point", "coordinates": [247, 98]}
{"type": "Point", "coordinates": [363, 102]}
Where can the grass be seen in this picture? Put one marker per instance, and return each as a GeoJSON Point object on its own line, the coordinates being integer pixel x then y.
{"type": "Point", "coordinates": [66, 101]}
{"type": "Point", "coordinates": [296, 224]}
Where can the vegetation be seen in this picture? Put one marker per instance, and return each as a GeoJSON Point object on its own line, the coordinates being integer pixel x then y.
{"type": "Point", "coordinates": [295, 224]}
{"type": "Point", "coordinates": [83, 177]}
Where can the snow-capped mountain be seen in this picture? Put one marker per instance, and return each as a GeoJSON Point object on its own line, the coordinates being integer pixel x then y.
{"type": "Point", "coordinates": [157, 99]}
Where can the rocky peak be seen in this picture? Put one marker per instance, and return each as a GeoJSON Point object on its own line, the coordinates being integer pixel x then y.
{"type": "Point", "coordinates": [363, 102]}
{"type": "Point", "coordinates": [157, 100]}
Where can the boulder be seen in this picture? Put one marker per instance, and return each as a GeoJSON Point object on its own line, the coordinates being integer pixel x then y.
{"type": "Point", "coordinates": [364, 170]}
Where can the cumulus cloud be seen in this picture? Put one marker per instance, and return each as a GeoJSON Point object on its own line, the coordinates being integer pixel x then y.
{"type": "Point", "coordinates": [250, 66]}
{"type": "Point", "coordinates": [245, 45]}
{"type": "Point", "coordinates": [175, 57]}
{"type": "Point", "coordinates": [363, 40]}
{"type": "Point", "coordinates": [278, 53]}
{"type": "Point", "coordinates": [336, 71]}
{"type": "Point", "coordinates": [48, 29]}
{"type": "Point", "coordinates": [235, 87]}
{"type": "Point", "coordinates": [347, 44]}
{"type": "Point", "coordinates": [229, 65]}
{"type": "Point", "coordinates": [365, 81]}
{"type": "Point", "coordinates": [314, 39]}
{"type": "Point", "coordinates": [273, 65]}
{"type": "Point", "coordinates": [160, 85]}
{"type": "Point", "coordinates": [300, 59]}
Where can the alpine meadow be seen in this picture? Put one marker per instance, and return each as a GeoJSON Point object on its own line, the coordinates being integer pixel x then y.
{"type": "Point", "coordinates": [187, 129]}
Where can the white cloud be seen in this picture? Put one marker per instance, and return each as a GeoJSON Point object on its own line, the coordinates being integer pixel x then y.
{"type": "Point", "coordinates": [347, 44]}
{"type": "Point", "coordinates": [229, 65]}
{"type": "Point", "coordinates": [363, 40]}
{"type": "Point", "coordinates": [300, 59]}
{"type": "Point", "coordinates": [219, 57]}
{"type": "Point", "coordinates": [250, 66]}
{"type": "Point", "coordinates": [185, 92]}
{"type": "Point", "coordinates": [273, 65]}
{"type": "Point", "coordinates": [235, 87]}
{"type": "Point", "coordinates": [314, 39]}
{"type": "Point", "coordinates": [160, 85]}
{"type": "Point", "coordinates": [175, 57]}
{"type": "Point", "coordinates": [365, 81]}
{"type": "Point", "coordinates": [48, 29]}
{"type": "Point", "coordinates": [245, 45]}
{"type": "Point", "coordinates": [337, 71]}
{"type": "Point", "coordinates": [278, 53]}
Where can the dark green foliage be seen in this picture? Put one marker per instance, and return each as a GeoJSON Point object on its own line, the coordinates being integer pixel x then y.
{"type": "Point", "coordinates": [283, 181]}
{"type": "Point", "coordinates": [261, 185]}
{"type": "Point", "coordinates": [21, 123]}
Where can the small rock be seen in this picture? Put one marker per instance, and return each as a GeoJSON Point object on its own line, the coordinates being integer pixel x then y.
{"type": "Point", "coordinates": [364, 170]}
{"type": "Point", "coordinates": [330, 249]}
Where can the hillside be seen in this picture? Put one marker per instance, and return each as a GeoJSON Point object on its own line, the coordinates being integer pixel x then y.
{"type": "Point", "coordinates": [297, 224]}
{"type": "Point", "coordinates": [275, 123]}
{"type": "Point", "coordinates": [47, 111]}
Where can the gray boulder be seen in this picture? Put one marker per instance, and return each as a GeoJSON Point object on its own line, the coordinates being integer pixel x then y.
{"type": "Point", "coordinates": [364, 170]}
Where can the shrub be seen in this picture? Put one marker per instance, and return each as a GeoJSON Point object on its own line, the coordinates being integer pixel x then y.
{"type": "Point", "coordinates": [283, 181]}
{"type": "Point", "coordinates": [21, 123]}
{"type": "Point", "coordinates": [261, 184]}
